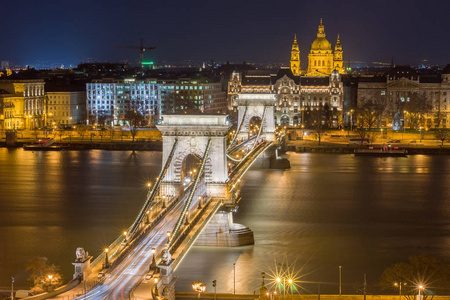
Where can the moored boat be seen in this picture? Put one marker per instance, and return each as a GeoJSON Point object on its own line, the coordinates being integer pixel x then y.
{"type": "Point", "coordinates": [43, 145]}
{"type": "Point", "coordinates": [381, 152]}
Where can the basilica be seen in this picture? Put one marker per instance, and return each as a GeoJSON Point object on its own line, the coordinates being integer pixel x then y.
{"type": "Point", "coordinates": [321, 59]}
{"type": "Point", "coordinates": [299, 93]}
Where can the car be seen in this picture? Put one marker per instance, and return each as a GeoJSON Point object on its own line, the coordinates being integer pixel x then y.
{"type": "Point", "coordinates": [148, 276]}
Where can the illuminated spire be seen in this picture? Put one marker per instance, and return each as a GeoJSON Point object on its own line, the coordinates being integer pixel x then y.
{"type": "Point", "coordinates": [295, 57]}
{"type": "Point", "coordinates": [321, 32]}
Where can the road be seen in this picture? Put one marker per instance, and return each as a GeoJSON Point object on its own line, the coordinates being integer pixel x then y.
{"type": "Point", "coordinates": [127, 274]}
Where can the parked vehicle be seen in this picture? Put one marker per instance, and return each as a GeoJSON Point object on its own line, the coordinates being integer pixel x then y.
{"type": "Point", "coordinates": [359, 142]}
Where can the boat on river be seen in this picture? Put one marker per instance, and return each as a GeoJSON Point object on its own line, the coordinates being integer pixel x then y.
{"type": "Point", "coordinates": [43, 145]}
{"type": "Point", "coordinates": [381, 152]}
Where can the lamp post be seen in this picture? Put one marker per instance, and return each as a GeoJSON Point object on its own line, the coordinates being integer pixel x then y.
{"type": "Point", "coordinates": [147, 220]}
{"type": "Point", "coordinates": [340, 281]}
{"type": "Point", "coordinates": [156, 287]}
{"type": "Point", "coordinates": [164, 201]}
{"type": "Point", "coordinates": [125, 237]}
{"type": "Point", "coordinates": [168, 236]}
{"type": "Point", "coordinates": [199, 202]}
{"type": "Point", "coordinates": [234, 281]}
{"type": "Point", "coordinates": [106, 262]}
{"type": "Point", "coordinates": [153, 264]}
{"type": "Point", "coordinates": [186, 219]}
{"type": "Point", "coordinates": [50, 277]}
{"type": "Point", "coordinates": [12, 288]}
{"type": "Point", "coordinates": [214, 283]}
{"type": "Point", "coordinates": [420, 288]}
{"type": "Point", "coordinates": [399, 284]}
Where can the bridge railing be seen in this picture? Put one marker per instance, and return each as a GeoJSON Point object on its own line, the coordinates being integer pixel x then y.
{"type": "Point", "coordinates": [192, 240]}
{"type": "Point", "coordinates": [192, 192]}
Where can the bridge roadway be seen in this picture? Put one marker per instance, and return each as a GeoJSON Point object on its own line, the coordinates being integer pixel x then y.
{"type": "Point", "coordinates": [128, 273]}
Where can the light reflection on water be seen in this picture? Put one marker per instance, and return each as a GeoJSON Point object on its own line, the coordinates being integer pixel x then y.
{"type": "Point", "coordinates": [331, 210]}
{"type": "Point", "coordinates": [326, 211]}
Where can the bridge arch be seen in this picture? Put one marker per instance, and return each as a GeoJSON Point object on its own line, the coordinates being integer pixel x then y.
{"type": "Point", "coordinates": [193, 134]}
{"type": "Point", "coordinates": [256, 105]}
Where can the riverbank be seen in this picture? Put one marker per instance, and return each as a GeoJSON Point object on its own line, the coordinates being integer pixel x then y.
{"type": "Point", "coordinates": [110, 146]}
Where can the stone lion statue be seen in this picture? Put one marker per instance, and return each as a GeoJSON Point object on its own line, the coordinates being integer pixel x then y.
{"type": "Point", "coordinates": [166, 256]}
{"type": "Point", "coordinates": [81, 254]}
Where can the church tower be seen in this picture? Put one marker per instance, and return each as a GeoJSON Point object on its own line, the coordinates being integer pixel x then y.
{"type": "Point", "coordinates": [295, 58]}
{"type": "Point", "coordinates": [320, 58]}
{"type": "Point", "coordinates": [337, 59]}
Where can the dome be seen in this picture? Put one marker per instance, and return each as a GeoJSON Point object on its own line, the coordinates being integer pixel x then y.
{"type": "Point", "coordinates": [321, 43]}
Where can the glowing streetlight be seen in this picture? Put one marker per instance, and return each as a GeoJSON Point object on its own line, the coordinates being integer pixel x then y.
{"type": "Point", "coordinates": [50, 277]}
{"type": "Point", "coordinates": [168, 236]}
{"type": "Point", "coordinates": [156, 286]}
{"type": "Point", "coordinates": [125, 237]}
{"type": "Point", "coordinates": [399, 284]}
{"type": "Point", "coordinates": [153, 263]}
{"type": "Point", "coordinates": [147, 220]}
{"type": "Point", "coordinates": [199, 287]}
{"type": "Point", "coordinates": [420, 288]}
{"type": "Point", "coordinates": [106, 262]}
{"type": "Point", "coordinates": [199, 202]}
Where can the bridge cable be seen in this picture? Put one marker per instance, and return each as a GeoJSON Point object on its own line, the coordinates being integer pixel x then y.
{"type": "Point", "coordinates": [254, 143]}
{"type": "Point", "coordinates": [191, 195]}
{"type": "Point", "coordinates": [239, 129]}
{"type": "Point", "coordinates": [151, 195]}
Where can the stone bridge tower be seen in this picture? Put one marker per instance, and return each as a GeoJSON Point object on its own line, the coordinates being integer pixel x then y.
{"type": "Point", "coordinates": [260, 106]}
{"type": "Point", "coordinates": [193, 133]}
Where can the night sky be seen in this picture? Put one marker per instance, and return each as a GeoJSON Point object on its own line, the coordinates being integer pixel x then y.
{"type": "Point", "coordinates": [236, 31]}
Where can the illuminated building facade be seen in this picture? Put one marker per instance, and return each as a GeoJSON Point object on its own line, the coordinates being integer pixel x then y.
{"type": "Point", "coordinates": [23, 103]}
{"type": "Point", "coordinates": [322, 61]}
{"type": "Point", "coordinates": [396, 90]}
{"type": "Point", "coordinates": [65, 108]}
{"type": "Point", "coordinates": [110, 100]}
{"type": "Point", "coordinates": [297, 95]}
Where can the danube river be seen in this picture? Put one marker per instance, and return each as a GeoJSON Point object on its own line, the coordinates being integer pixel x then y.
{"type": "Point", "coordinates": [360, 213]}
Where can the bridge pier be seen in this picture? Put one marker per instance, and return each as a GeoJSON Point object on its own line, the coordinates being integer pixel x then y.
{"type": "Point", "coordinates": [222, 232]}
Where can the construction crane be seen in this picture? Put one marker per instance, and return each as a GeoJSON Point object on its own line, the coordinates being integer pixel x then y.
{"type": "Point", "coordinates": [141, 48]}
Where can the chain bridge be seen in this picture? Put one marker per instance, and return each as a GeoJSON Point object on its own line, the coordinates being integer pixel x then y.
{"type": "Point", "coordinates": [191, 202]}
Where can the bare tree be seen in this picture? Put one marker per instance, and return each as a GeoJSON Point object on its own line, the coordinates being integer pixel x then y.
{"type": "Point", "coordinates": [111, 133]}
{"type": "Point", "coordinates": [416, 106]}
{"type": "Point", "coordinates": [366, 115]}
{"type": "Point", "coordinates": [442, 135]}
{"type": "Point", "coordinates": [378, 105]}
{"type": "Point", "coordinates": [318, 122]}
{"type": "Point", "coordinates": [81, 129]}
{"type": "Point", "coordinates": [439, 116]}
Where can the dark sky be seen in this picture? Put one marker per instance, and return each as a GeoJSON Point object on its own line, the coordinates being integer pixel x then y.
{"type": "Point", "coordinates": [256, 31]}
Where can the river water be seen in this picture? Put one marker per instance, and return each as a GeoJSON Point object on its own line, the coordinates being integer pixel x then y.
{"type": "Point", "coordinates": [360, 213]}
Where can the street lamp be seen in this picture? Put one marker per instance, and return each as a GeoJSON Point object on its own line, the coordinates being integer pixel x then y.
{"type": "Point", "coordinates": [51, 276]}
{"type": "Point", "coordinates": [125, 237]}
{"type": "Point", "coordinates": [164, 201]}
{"type": "Point", "coordinates": [147, 220]}
{"type": "Point", "coordinates": [12, 288]}
{"type": "Point", "coordinates": [199, 202]}
{"type": "Point", "coordinates": [156, 287]}
{"type": "Point", "coordinates": [420, 288]}
{"type": "Point", "coordinates": [153, 264]}
{"type": "Point", "coordinates": [399, 284]}
{"type": "Point", "coordinates": [199, 287]}
{"type": "Point", "coordinates": [168, 236]}
{"type": "Point", "coordinates": [214, 283]}
{"type": "Point", "coordinates": [106, 262]}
